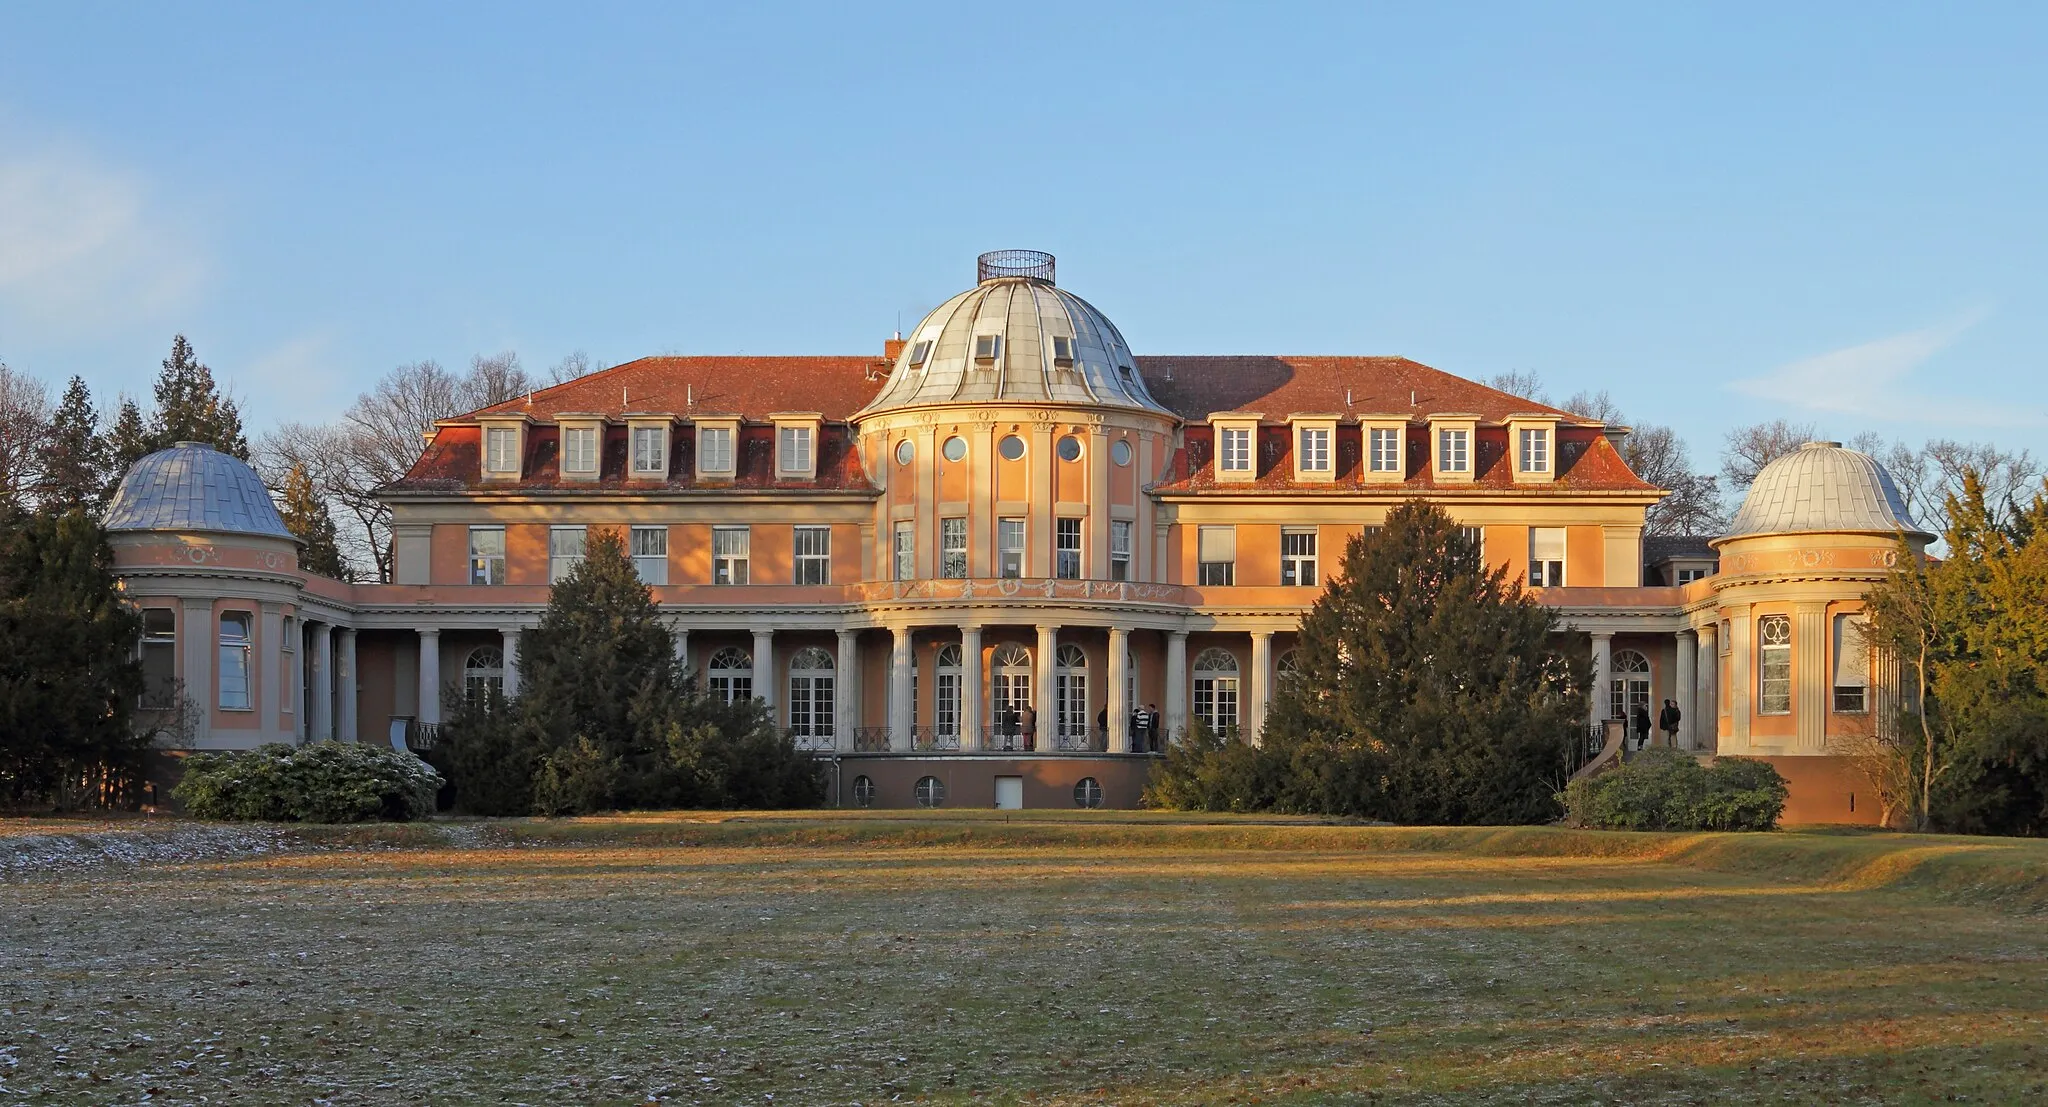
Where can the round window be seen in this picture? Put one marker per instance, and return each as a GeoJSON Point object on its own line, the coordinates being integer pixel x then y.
{"type": "Point", "coordinates": [864, 791]}
{"type": "Point", "coordinates": [1120, 452]}
{"type": "Point", "coordinates": [956, 448]}
{"type": "Point", "coordinates": [905, 450]}
{"type": "Point", "coordinates": [1070, 448]}
{"type": "Point", "coordinates": [1011, 447]}
{"type": "Point", "coordinates": [930, 792]}
{"type": "Point", "coordinates": [1087, 792]}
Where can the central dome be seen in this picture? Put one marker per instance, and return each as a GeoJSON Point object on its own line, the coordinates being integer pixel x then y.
{"type": "Point", "coordinates": [1015, 337]}
{"type": "Point", "coordinates": [1822, 488]}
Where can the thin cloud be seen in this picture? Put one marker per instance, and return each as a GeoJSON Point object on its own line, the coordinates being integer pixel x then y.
{"type": "Point", "coordinates": [82, 246]}
{"type": "Point", "coordinates": [1871, 380]}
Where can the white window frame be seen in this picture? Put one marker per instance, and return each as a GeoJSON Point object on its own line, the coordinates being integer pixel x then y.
{"type": "Point", "coordinates": [235, 681]}
{"type": "Point", "coordinates": [1067, 548]}
{"type": "Point", "coordinates": [716, 448]}
{"type": "Point", "coordinates": [1120, 549]}
{"type": "Point", "coordinates": [1849, 687]}
{"type": "Point", "coordinates": [1532, 449]}
{"type": "Point", "coordinates": [1547, 571]}
{"type": "Point", "coordinates": [1312, 445]}
{"type": "Point", "coordinates": [648, 561]}
{"type": "Point", "coordinates": [1062, 351]}
{"type": "Point", "coordinates": [561, 562]}
{"type": "Point", "coordinates": [731, 555]}
{"type": "Point", "coordinates": [501, 451]}
{"type": "Point", "coordinates": [953, 548]}
{"type": "Point", "coordinates": [1214, 690]}
{"type": "Point", "coordinates": [795, 452]}
{"type": "Point", "coordinates": [1383, 449]}
{"type": "Point", "coordinates": [729, 674]}
{"type": "Point", "coordinates": [1234, 449]}
{"type": "Point", "coordinates": [580, 450]}
{"type": "Point", "coordinates": [648, 450]}
{"type": "Point", "coordinates": [1012, 538]}
{"type": "Point", "coordinates": [1216, 556]}
{"type": "Point", "coordinates": [1454, 450]}
{"type": "Point", "coordinates": [812, 683]}
{"type": "Point", "coordinates": [1298, 557]}
{"type": "Point", "coordinates": [486, 564]}
{"type": "Point", "coordinates": [810, 555]}
{"type": "Point", "coordinates": [903, 550]}
{"type": "Point", "coordinates": [1774, 665]}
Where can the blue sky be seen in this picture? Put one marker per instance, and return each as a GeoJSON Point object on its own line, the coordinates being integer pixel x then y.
{"type": "Point", "coordinates": [1717, 213]}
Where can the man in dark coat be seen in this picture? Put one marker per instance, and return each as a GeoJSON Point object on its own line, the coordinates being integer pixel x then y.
{"type": "Point", "coordinates": [1667, 721]}
{"type": "Point", "coordinates": [1639, 721]}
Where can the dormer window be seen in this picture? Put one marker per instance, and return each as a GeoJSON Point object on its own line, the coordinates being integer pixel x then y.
{"type": "Point", "coordinates": [1315, 449]}
{"type": "Point", "coordinates": [919, 351]}
{"type": "Point", "coordinates": [988, 347]}
{"type": "Point", "coordinates": [796, 444]}
{"type": "Point", "coordinates": [1062, 351]}
{"type": "Point", "coordinates": [501, 450]}
{"type": "Point", "coordinates": [795, 450]}
{"type": "Point", "coordinates": [1234, 450]}
{"type": "Point", "coordinates": [1454, 450]}
{"type": "Point", "coordinates": [579, 449]}
{"type": "Point", "coordinates": [714, 449]}
{"type": "Point", "coordinates": [1315, 442]}
{"type": "Point", "coordinates": [1533, 450]}
{"type": "Point", "coordinates": [650, 451]}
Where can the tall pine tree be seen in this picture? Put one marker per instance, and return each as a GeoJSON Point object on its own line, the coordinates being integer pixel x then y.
{"type": "Point", "coordinates": [190, 408]}
{"type": "Point", "coordinates": [127, 441]}
{"type": "Point", "coordinates": [305, 515]}
{"type": "Point", "coordinates": [75, 464]}
{"type": "Point", "coordinates": [1426, 689]}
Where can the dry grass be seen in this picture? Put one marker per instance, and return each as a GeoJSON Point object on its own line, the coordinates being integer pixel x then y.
{"type": "Point", "coordinates": [974, 958]}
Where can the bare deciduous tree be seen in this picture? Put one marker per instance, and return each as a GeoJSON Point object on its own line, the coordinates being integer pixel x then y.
{"type": "Point", "coordinates": [1520, 382]}
{"type": "Point", "coordinates": [24, 432]}
{"type": "Point", "coordinates": [575, 364]}
{"type": "Point", "coordinates": [1750, 448]}
{"type": "Point", "coordinates": [1659, 456]}
{"type": "Point", "coordinates": [1933, 474]}
{"type": "Point", "coordinates": [493, 380]}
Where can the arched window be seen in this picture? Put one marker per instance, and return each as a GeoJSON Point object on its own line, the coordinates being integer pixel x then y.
{"type": "Point", "coordinates": [930, 792]}
{"type": "Point", "coordinates": [946, 698]}
{"type": "Point", "coordinates": [483, 672]}
{"type": "Point", "coordinates": [1009, 692]}
{"type": "Point", "coordinates": [1774, 665]}
{"type": "Point", "coordinates": [1629, 687]}
{"type": "Point", "coordinates": [1070, 698]}
{"type": "Point", "coordinates": [864, 791]}
{"type": "Point", "coordinates": [731, 675]}
{"type": "Point", "coordinates": [810, 698]}
{"type": "Point", "coordinates": [1216, 689]}
{"type": "Point", "coordinates": [1289, 665]}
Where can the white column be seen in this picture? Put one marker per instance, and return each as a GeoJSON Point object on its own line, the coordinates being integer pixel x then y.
{"type": "Point", "coordinates": [1706, 699]}
{"type": "Point", "coordinates": [1740, 636]}
{"type": "Point", "coordinates": [510, 635]}
{"type": "Point", "coordinates": [1262, 682]}
{"type": "Point", "coordinates": [1048, 645]}
{"type": "Point", "coordinates": [345, 682]}
{"type": "Point", "coordinates": [900, 660]}
{"type": "Point", "coordinates": [845, 689]}
{"type": "Point", "coordinates": [320, 713]}
{"type": "Point", "coordinates": [1811, 681]}
{"type": "Point", "coordinates": [680, 634]}
{"type": "Point", "coordinates": [1682, 689]}
{"type": "Point", "coordinates": [1603, 664]}
{"type": "Point", "coordinates": [1119, 699]}
{"type": "Point", "coordinates": [1176, 685]}
{"type": "Point", "coordinates": [764, 672]}
{"type": "Point", "coordinates": [430, 676]}
{"type": "Point", "coordinates": [295, 695]}
{"type": "Point", "coordinates": [970, 688]}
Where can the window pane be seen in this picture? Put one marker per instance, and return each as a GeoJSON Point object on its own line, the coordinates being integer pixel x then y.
{"type": "Point", "coordinates": [1774, 665]}
{"type": "Point", "coordinates": [953, 548]}
{"type": "Point", "coordinates": [714, 449]}
{"type": "Point", "coordinates": [579, 449]}
{"type": "Point", "coordinates": [1386, 450]}
{"type": "Point", "coordinates": [566, 541]}
{"type": "Point", "coordinates": [650, 450]}
{"type": "Point", "coordinates": [234, 662]}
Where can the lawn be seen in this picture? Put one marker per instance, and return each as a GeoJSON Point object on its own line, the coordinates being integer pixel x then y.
{"type": "Point", "coordinates": [976, 959]}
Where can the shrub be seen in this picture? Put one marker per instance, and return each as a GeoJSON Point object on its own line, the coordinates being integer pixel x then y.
{"type": "Point", "coordinates": [325, 782]}
{"type": "Point", "coordinates": [1664, 789]}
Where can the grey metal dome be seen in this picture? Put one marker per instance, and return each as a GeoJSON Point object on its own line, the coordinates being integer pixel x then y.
{"type": "Point", "coordinates": [194, 487]}
{"type": "Point", "coordinates": [1017, 337]}
{"type": "Point", "coordinates": [1822, 488]}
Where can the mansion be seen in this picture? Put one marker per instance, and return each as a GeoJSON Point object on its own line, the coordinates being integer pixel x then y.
{"type": "Point", "coordinates": [958, 570]}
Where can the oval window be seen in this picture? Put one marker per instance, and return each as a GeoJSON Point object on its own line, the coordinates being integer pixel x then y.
{"type": "Point", "coordinates": [1011, 447]}
{"type": "Point", "coordinates": [1070, 448]}
{"type": "Point", "coordinates": [1087, 792]}
{"type": "Point", "coordinates": [930, 791]}
{"type": "Point", "coordinates": [864, 791]}
{"type": "Point", "coordinates": [1120, 452]}
{"type": "Point", "coordinates": [905, 450]}
{"type": "Point", "coordinates": [956, 448]}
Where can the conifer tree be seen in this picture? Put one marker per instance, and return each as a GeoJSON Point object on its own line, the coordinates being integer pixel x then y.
{"type": "Point", "coordinates": [1426, 689]}
{"type": "Point", "coordinates": [68, 673]}
{"type": "Point", "coordinates": [75, 464]}
{"type": "Point", "coordinates": [305, 515]}
{"type": "Point", "coordinates": [189, 408]}
{"type": "Point", "coordinates": [128, 440]}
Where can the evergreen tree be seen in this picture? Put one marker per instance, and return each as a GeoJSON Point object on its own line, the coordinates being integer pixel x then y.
{"type": "Point", "coordinates": [305, 515]}
{"type": "Point", "coordinates": [75, 464]}
{"type": "Point", "coordinates": [606, 717]}
{"type": "Point", "coordinates": [68, 674]}
{"type": "Point", "coordinates": [189, 408]}
{"type": "Point", "coordinates": [1426, 689]}
{"type": "Point", "coordinates": [128, 440]}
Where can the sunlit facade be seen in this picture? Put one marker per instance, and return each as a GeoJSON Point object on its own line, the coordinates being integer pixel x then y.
{"type": "Point", "coordinates": [972, 570]}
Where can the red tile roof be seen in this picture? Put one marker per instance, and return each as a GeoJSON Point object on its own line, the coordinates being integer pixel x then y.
{"type": "Point", "coordinates": [1586, 462]}
{"type": "Point", "coordinates": [1195, 386]}
{"type": "Point", "coordinates": [750, 386]}
{"type": "Point", "coordinates": [453, 462]}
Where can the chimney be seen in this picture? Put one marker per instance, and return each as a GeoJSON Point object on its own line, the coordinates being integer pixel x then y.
{"type": "Point", "coordinates": [892, 348]}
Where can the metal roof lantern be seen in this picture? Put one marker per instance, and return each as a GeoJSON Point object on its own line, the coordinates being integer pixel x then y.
{"type": "Point", "coordinates": [194, 487]}
{"type": "Point", "coordinates": [1822, 488]}
{"type": "Point", "coordinates": [1016, 337]}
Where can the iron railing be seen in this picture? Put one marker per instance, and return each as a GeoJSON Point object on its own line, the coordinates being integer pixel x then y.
{"type": "Point", "coordinates": [871, 739]}
{"type": "Point", "coordinates": [810, 738]}
{"type": "Point", "coordinates": [1035, 264]}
